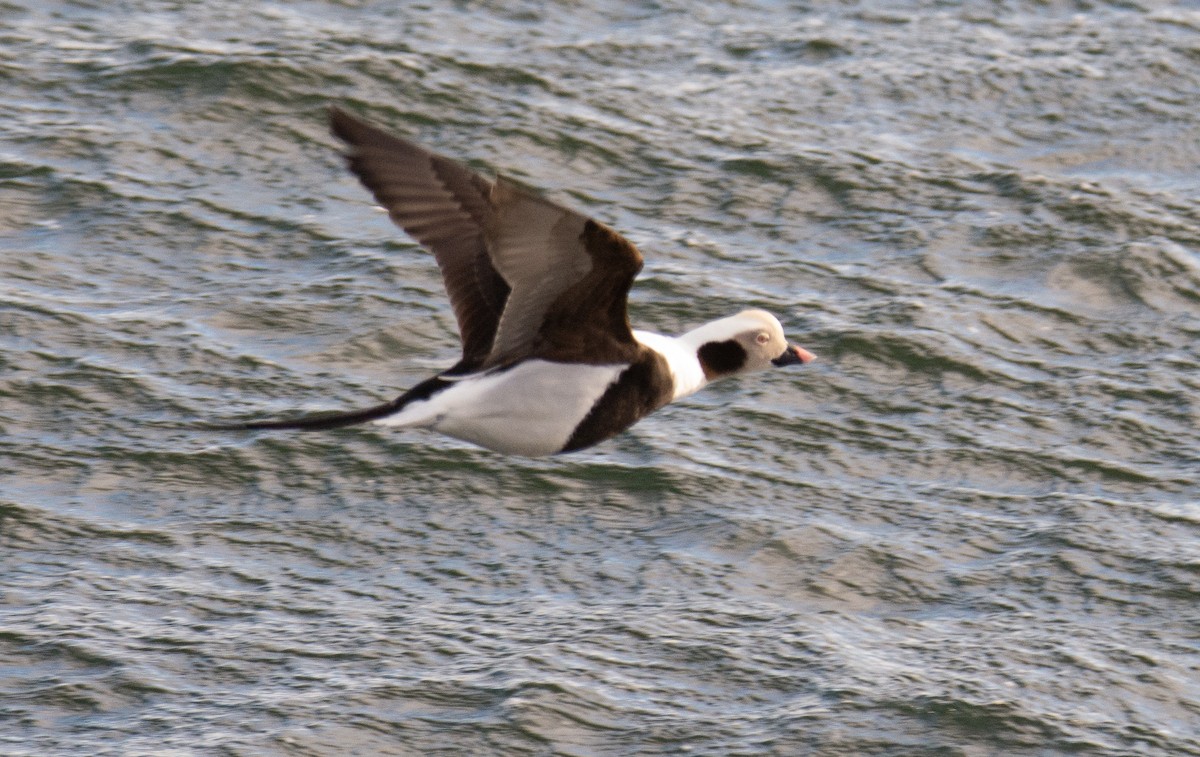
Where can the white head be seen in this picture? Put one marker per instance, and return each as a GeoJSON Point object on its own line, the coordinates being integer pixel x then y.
{"type": "Point", "coordinates": [750, 341]}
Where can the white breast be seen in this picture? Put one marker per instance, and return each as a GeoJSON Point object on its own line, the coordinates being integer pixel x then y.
{"type": "Point", "coordinates": [531, 409]}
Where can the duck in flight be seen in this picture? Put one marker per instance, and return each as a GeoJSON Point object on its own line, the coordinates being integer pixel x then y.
{"type": "Point", "coordinates": [549, 361]}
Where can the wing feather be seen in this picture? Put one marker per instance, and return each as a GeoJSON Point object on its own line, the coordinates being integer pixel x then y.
{"type": "Point", "coordinates": [444, 206]}
{"type": "Point", "coordinates": [525, 276]}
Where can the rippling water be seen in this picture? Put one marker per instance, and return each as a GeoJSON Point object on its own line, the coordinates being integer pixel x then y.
{"type": "Point", "coordinates": [970, 529]}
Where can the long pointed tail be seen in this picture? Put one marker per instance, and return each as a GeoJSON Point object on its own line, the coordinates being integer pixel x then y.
{"type": "Point", "coordinates": [317, 422]}
{"type": "Point", "coordinates": [322, 421]}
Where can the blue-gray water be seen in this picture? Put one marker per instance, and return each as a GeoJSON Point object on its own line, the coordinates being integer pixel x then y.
{"type": "Point", "coordinates": [972, 528]}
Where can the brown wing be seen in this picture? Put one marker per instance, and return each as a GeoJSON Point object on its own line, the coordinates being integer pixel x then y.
{"type": "Point", "coordinates": [526, 276]}
{"type": "Point", "coordinates": [444, 206]}
{"type": "Point", "coordinates": [543, 251]}
{"type": "Point", "coordinates": [588, 320]}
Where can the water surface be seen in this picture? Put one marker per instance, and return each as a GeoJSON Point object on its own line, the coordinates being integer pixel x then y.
{"type": "Point", "coordinates": [970, 529]}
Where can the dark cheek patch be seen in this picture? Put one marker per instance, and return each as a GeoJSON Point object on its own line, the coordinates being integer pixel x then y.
{"type": "Point", "coordinates": [721, 358]}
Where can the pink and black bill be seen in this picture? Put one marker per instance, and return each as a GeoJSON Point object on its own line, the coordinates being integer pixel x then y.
{"type": "Point", "coordinates": [794, 355]}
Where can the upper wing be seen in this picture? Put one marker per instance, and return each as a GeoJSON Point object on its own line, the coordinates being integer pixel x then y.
{"type": "Point", "coordinates": [444, 206]}
{"type": "Point", "coordinates": [525, 276]}
{"type": "Point", "coordinates": [570, 278]}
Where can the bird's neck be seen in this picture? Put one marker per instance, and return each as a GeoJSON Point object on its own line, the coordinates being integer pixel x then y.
{"type": "Point", "coordinates": [686, 372]}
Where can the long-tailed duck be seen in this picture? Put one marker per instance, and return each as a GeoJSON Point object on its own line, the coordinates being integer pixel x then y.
{"type": "Point", "coordinates": [549, 361]}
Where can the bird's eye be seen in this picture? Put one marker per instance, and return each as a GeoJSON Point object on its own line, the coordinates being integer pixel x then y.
{"type": "Point", "coordinates": [763, 338]}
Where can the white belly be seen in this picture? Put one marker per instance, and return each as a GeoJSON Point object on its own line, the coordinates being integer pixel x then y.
{"type": "Point", "coordinates": [531, 409]}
